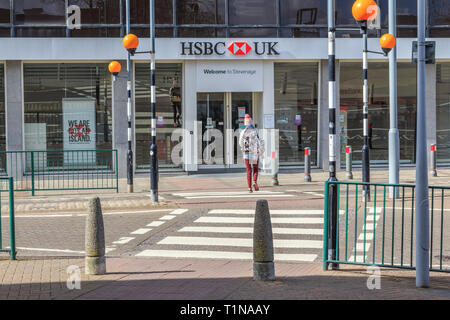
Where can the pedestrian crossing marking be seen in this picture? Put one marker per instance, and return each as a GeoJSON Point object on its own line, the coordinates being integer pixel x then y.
{"type": "Point", "coordinates": [240, 242]}
{"type": "Point", "coordinates": [166, 218]}
{"type": "Point", "coordinates": [251, 220]}
{"type": "Point", "coordinates": [141, 231]}
{"type": "Point", "coordinates": [230, 194]}
{"type": "Point", "coordinates": [155, 223]}
{"type": "Point", "coordinates": [249, 230]}
{"type": "Point", "coordinates": [223, 255]}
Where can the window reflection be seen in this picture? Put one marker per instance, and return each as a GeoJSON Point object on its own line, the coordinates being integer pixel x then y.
{"type": "Point", "coordinates": [200, 11]}
{"type": "Point", "coordinates": [4, 11]}
{"type": "Point", "coordinates": [351, 122]}
{"type": "Point", "coordinates": [39, 12]}
{"type": "Point", "coordinates": [296, 110]}
{"type": "Point", "coordinates": [303, 12]}
{"type": "Point", "coordinates": [2, 109]}
{"type": "Point", "coordinates": [140, 11]}
{"type": "Point", "coordinates": [439, 12]}
{"type": "Point", "coordinates": [98, 11]}
{"type": "Point", "coordinates": [242, 12]}
{"type": "Point", "coordinates": [443, 112]}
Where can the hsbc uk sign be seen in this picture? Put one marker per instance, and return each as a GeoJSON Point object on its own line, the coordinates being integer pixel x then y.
{"type": "Point", "coordinates": [236, 48]}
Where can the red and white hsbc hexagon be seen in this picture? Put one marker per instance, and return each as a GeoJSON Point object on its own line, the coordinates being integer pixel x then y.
{"type": "Point", "coordinates": [239, 48]}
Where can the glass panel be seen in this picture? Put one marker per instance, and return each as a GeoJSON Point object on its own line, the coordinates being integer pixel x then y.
{"type": "Point", "coordinates": [443, 111]}
{"type": "Point", "coordinates": [140, 12]}
{"type": "Point", "coordinates": [95, 33]}
{"type": "Point", "coordinates": [47, 90]}
{"type": "Point", "coordinates": [303, 12]}
{"type": "Point", "coordinates": [344, 13]}
{"type": "Point", "coordinates": [296, 110]}
{"type": "Point", "coordinates": [159, 32]}
{"type": "Point", "coordinates": [39, 12]}
{"type": "Point", "coordinates": [406, 12]}
{"type": "Point", "coordinates": [40, 32]}
{"type": "Point", "coordinates": [351, 96]}
{"type": "Point", "coordinates": [4, 11]}
{"type": "Point", "coordinates": [202, 33]}
{"type": "Point", "coordinates": [210, 112]}
{"type": "Point", "coordinates": [253, 32]}
{"type": "Point", "coordinates": [2, 109]}
{"type": "Point", "coordinates": [439, 12]}
{"type": "Point", "coordinates": [248, 12]}
{"type": "Point", "coordinates": [168, 111]}
{"type": "Point", "coordinates": [241, 104]}
{"type": "Point", "coordinates": [98, 11]}
{"type": "Point", "coordinates": [200, 11]}
{"type": "Point", "coordinates": [440, 33]}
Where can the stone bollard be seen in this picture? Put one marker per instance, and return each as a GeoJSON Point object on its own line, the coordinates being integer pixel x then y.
{"type": "Point", "coordinates": [95, 261]}
{"type": "Point", "coordinates": [263, 267]}
{"type": "Point", "coordinates": [433, 161]}
{"type": "Point", "coordinates": [308, 164]}
{"type": "Point", "coordinates": [274, 168]}
{"type": "Point", "coordinates": [348, 162]}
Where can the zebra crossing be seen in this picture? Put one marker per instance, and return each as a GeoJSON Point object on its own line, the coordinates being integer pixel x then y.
{"type": "Point", "coordinates": [228, 234]}
{"type": "Point", "coordinates": [231, 194]}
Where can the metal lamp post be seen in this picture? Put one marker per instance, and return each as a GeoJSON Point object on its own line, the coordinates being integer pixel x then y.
{"type": "Point", "coordinates": [364, 11]}
{"type": "Point", "coordinates": [131, 42]}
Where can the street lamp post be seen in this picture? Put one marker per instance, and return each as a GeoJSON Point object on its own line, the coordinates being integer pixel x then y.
{"type": "Point", "coordinates": [131, 42]}
{"type": "Point", "coordinates": [364, 11]}
{"type": "Point", "coordinates": [129, 110]}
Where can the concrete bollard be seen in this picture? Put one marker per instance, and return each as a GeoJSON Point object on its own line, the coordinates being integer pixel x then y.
{"type": "Point", "coordinates": [433, 161]}
{"type": "Point", "coordinates": [95, 261]}
{"type": "Point", "coordinates": [348, 162]}
{"type": "Point", "coordinates": [274, 168]}
{"type": "Point", "coordinates": [263, 266]}
{"type": "Point", "coordinates": [308, 164]}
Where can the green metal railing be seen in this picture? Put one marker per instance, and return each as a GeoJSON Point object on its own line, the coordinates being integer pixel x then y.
{"type": "Point", "coordinates": [379, 230]}
{"type": "Point", "coordinates": [51, 170]}
{"type": "Point", "coordinates": [7, 184]}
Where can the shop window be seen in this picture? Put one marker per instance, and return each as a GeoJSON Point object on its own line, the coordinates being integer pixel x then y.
{"type": "Point", "coordinates": [39, 12]}
{"type": "Point", "coordinates": [59, 97]}
{"type": "Point", "coordinates": [248, 12]}
{"type": "Point", "coordinates": [253, 32]}
{"type": "Point", "coordinates": [144, 32]}
{"type": "Point", "coordinates": [296, 110]}
{"type": "Point", "coordinates": [351, 119]}
{"type": "Point", "coordinates": [439, 12]}
{"type": "Point", "coordinates": [200, 11]}
{"type": "Point", "coordinates": [98, 11]}
{"type": "Point", "coordinates": [2, 109]}
{"type": "Point", "coordinates": [140, 12]}
{"type": "Point", "coordinates": [95, 33]}
{"type": "Point", "coordinates": [42, 32]}
{"type": "Point", "coordinates": [168, 111]}
{"type": "Point", "coordinates": [201, 32]}
{"type": "Point", "coordinates": [443, 112]}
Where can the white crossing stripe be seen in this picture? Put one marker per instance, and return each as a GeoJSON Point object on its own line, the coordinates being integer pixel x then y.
{"type": "Point", "coordinates": [249, 230]}
{"type": "Point", "coordinates": [254, 195]}
{"type": "Point", "coordinates": [240, 242]}
{"type": "Point", "coordinates": [179, 211]}
{"type": "Point", "coordinates": [369, 236]}
{"type": "Point", "coordinates": [272, 212]}
{"type": "Point", "coordinates": [155, 224]}
{"type": "Point", "coordinates": [123, 240]}
{"type": "Point", "coordinates": [167, 218]}
{"type": "Point", "coordinates": [141, 231]}
{"type": "Point", "coordinates": [222, 255]}
{"type": "Point", "coordinates": [219, 193]}
{"type": "Point", "coordinates": [251, 220]}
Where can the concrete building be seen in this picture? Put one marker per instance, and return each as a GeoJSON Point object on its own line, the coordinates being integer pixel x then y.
{"type": "Point", "coordinates": [216, 61]}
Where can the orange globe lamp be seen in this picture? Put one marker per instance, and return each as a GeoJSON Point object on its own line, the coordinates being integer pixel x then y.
{"type": "Point", "coordinates": [387, 42]}
{"type": "Point", "coordinates": [130, 42]}
{"type": "Point", "coordinates": [364, 10]}
{"type": "Point", "coordinates": [114, 67]}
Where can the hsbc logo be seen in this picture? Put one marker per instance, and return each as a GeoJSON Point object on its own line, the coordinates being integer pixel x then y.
{"type": "Point", "coordinates": [236, 48]}
{"type": "Point", "coordinates": [239, 48]}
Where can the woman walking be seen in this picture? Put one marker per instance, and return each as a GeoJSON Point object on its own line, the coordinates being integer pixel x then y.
{"type": "Point", "coordinates": [251, 148]}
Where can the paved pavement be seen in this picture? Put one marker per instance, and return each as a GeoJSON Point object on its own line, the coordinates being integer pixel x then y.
{"type": "Point", "coordinates": [196, 279]}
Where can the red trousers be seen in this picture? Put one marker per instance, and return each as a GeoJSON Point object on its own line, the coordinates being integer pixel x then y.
{"type": "Point", "coordinates": [251, 167]}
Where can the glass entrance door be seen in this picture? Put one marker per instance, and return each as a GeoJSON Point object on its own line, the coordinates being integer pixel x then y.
{"type": "Point", "coordinates": [221, 117]}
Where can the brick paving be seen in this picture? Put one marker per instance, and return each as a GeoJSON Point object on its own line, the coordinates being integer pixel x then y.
{"type": "Point", "coordinates": [190, 279]}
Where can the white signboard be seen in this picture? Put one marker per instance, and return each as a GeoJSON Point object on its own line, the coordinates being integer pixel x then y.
{"type": "Point", "coordinates": [235, 76]}
{"type": "Point", "coordinates": [79, 131]}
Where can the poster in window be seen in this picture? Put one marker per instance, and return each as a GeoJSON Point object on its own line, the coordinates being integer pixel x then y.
{"type": "Point", "coordinates": [79, 131]}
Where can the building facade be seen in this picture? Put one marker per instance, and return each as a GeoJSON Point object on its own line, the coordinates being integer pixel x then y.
{"type": "Point", "coordinates": [216, 61]}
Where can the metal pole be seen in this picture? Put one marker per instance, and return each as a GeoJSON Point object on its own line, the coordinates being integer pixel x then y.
{"type": "Point", "coordinates": [348, 162]}
{"type": "Point", "coordinates": [365, 149]}
{"type": "Point", "coordinates": [308, 164]}
{"type": "Point", "coordinates": [421, 201]}
{"type": "Point", "coordinates": [153, 148]}
{"type": "Point", "coordinates": [332, 198]}
{"type": "Point", "coordinates": [394, 140]}
{"type": "Point", "coordinates": [129, 111]}
{"type": "Point", "coordinates": [433, 160]}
